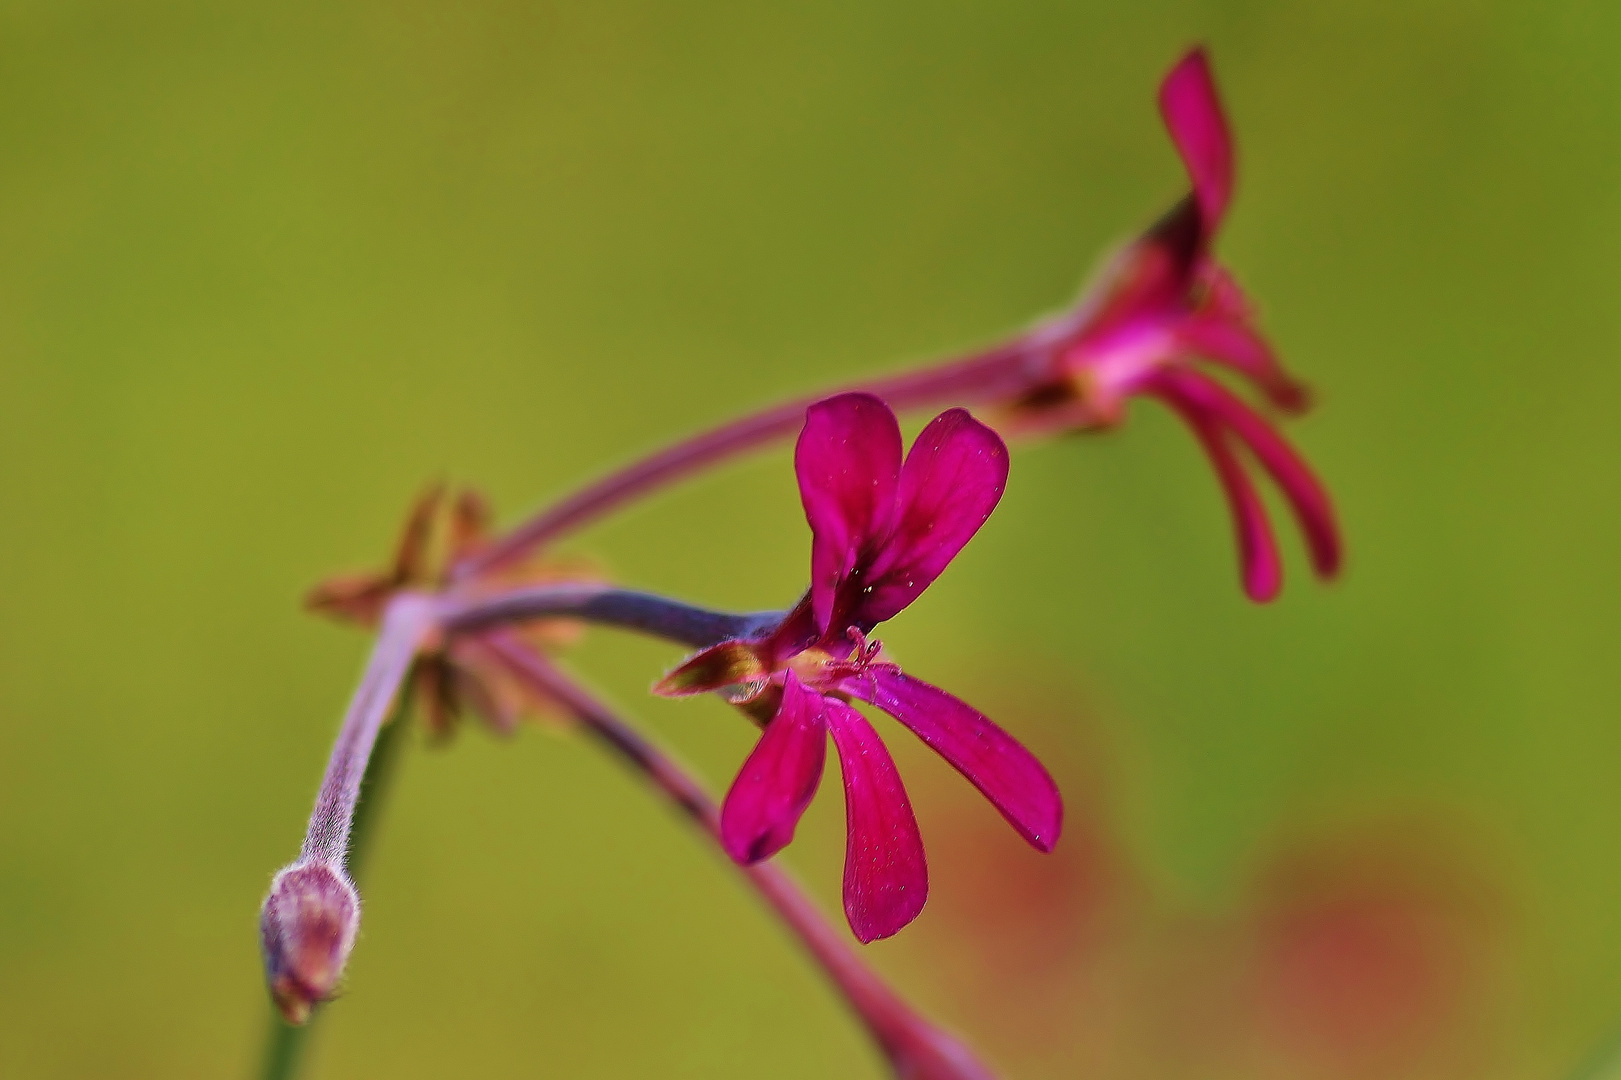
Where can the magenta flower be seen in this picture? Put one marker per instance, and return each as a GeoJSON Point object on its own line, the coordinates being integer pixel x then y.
{"type": "Point", "coordinates": [1165, 304]}
{"type": "Point", "coordinates": [881, 532]}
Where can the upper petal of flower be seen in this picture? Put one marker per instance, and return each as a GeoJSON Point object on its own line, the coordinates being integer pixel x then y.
{"type": "Point", "coordinates": [1192, 112]}
{"type": "Point", "coordinates": [779, 779]}
{"type": "Point", "coordinates": [848, 460]}
{"type": "Point", "coordinates": [886, 879]}
{"type": "Point", "coordinates": [993, 761]}
{"type": "Point", "coordinates": [953, 478]}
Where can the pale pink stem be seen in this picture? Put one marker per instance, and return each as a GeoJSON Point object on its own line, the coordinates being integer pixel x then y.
{"type": "Point", "coordinates": [917, 1049]}
{"type": "Point", "coordinates": [996, 373]}
{"type": "Point", "coordinates": [407, 622]}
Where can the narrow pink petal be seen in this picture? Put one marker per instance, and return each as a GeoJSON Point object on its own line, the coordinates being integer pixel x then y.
{"type": "Point", "coordinates": [1192, 112]}
{"type": "Point", "coordinates": [779, 779]}
{"type": "Point", "coordinates": [886, 879]}
{"type": "Point", "coordinates": [1239, 347]}
{"type": "Point", "coordinates": [993, 761]}
{"type": "Point", "coordinates": [1259, 562]}
{"type": "Point", "coordinates": [1236, 346]}
{"type": "Point", "coordinates": [1224, 296]}
{"type": "Point", "coordinates": [1313, 509]}
{"type": "Point", "coordinates": [848, 460]}
{"type": "Point", "coordinates": [1223, 330]}
{"type": "Point", "coordinates": [952, 480]}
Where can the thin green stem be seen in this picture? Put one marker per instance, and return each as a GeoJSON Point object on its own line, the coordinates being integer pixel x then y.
{"type": "Point", "coordinates": [286, 1044]}
{"type": "Point", "coordinates": [284, 1048]}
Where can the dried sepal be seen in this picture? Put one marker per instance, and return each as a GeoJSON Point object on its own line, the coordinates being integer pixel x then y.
{"type": "Point", "coordinates": [361, 597]}
{"type": "Point", "coordinates": [456, 677]}
{"type": "Point", "coordinates": [733, 668]}
{"type": "Point", "coordinates": [357, 598]}
{"type": "Point", "coordinates": [488, 688]}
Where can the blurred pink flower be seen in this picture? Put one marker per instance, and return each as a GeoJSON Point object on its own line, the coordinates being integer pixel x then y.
{"type": "Point", "coordinates": [1163, 305]}
{"type": "Point", "coordinates": [1377, 951]}
{"type": "Point", "coordinates": [881, 532]}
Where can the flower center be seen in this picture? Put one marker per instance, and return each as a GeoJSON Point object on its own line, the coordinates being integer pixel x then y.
{"type": "Point", "coordinates": [863, 656]}
{"type": "Point", "coordinates": [820, 670]}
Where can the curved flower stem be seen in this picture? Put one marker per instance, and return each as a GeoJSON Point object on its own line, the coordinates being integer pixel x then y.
{"type": "Point", "coordinates": [915, 1048]}
{"type": "Point", "coordinates": [999, 372]}
{"type": "Point", "coordinates": [627, 609]}
{"type": "Point", "coordinates": [407, 623]}
{"type": "Point", "coordinates": [285, 1045]}
{"type": "Point", "coordinates": [310, 917]}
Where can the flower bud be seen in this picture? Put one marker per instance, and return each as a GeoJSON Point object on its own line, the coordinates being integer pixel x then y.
{"type": "Point", "coordinates": [307, 929]}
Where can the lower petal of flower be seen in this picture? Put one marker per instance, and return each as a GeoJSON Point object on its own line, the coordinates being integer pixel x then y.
{"type": "Point", "coordinates": [1308, 499]}
{"type": "Point", "coordinates": [779, 779]}
{"type": "Point", "coordinates": [886, 879]}
{"type": "Point", "coordinates": [1234, 345]}
{"type": "Point", "coordinates": [1259, 562]}
{"type": "Point", "coordinates": [993, 761]}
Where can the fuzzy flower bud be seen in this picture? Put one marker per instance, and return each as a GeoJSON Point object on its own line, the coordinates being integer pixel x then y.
{"type": "Point", "coordinates": [308, 929]}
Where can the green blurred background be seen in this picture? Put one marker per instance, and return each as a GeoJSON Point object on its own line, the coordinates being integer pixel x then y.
{"type": "Point", "coordinates": [266, 271]}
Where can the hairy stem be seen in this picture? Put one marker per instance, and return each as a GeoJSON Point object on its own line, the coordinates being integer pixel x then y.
{"type": "Point", "coordinates": [286, 1044]}
{"type": "Point", "coordinates": [407, 623]}
{"type": "Point", "coordinates": [915, 1047]}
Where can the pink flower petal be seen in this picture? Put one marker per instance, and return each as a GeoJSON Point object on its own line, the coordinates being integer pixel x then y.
{"type": "Point", "coordinates": [1237, 346]}
{"type": "Point", "coordinates": [1259, 562]}
{"type": "Point", "coordinates": [1223, 330]}
{"type": "Point", "coordinates": [848, 460]}
{"type": "Point", "coordinates": [886, 879]}
{"type": "Point", "coordinates": [779, 779]}
{"type": "Point", "coordinates": [1192, 112]}
{"type": "Point", "coordinates": [1309, 500]}
{"type": "Point", "coordinates": [952, 480]}
{"type": "Point", "coordinates": [1225, 297]}
{"type": "Point", "coordinates": [993, 761]}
